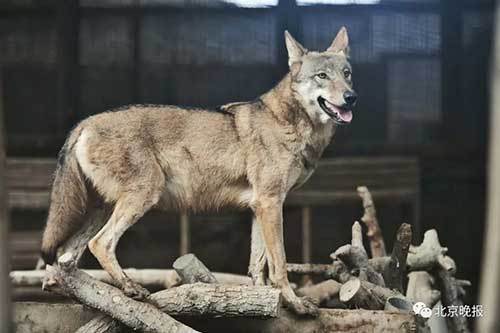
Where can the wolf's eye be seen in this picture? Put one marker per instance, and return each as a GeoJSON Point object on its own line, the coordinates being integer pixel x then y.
{"type": "Point", "coordinates": [347, 73]}
{"type": "Point", "coordinates": [322, 75]}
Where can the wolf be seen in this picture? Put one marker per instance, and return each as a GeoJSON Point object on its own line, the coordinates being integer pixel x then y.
{"type": "Point", "coordinates": [248, 155]}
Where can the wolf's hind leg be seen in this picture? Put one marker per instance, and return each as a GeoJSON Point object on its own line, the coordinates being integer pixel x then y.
{"type": "Point", "coordinates": [127, 212]}
{"type": "Point", "coordinates": [257, 266]}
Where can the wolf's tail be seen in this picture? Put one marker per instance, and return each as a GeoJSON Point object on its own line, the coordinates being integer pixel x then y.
{"type": "Point", "coordinates": [68, 201]}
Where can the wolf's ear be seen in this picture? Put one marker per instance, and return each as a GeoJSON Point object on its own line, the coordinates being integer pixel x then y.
{"type": "Point", "coordinates": [295, 50]}
{"type": "Point", "coordinates": [340, 43]}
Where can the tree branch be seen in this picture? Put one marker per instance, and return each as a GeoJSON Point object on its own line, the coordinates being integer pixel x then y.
{"type": "Point", "coordinates": [369, 218]}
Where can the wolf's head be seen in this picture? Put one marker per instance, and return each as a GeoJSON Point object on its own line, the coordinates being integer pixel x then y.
{"type": "Point", "coordinates": [321, 81]}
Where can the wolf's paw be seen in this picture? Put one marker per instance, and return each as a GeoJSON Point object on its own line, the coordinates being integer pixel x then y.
{"type": "Point", "coordinates": [303, 306]}
{"type": "Point", "coordinates": [259, 279]}
{"type": "Point", "coordinates": [135, 290]}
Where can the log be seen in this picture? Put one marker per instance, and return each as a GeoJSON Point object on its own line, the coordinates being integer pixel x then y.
{"type": "Point", "coordinates": [374, 233]}
{"type": "Point", "coordinates": [65, 278]}
{"type": "Point", "coordinates": [321, 292]}
{"type": "Point", "coordinates": [187, 298]}
{"type": "Point", "coordinates": [150, 278]}
{"type": "Point", "coordinates": [218, 300]}
{"type": "Point", "coordinates": [354, 256]}
{"type": "Point", "coordinates": [63, 318]}
{"type": "Point", "coordinates": [207, 300]}
{"type": "Point", "coordinates": [192, 270]}
{"type": "Point", "coordinates": [363, 294]}
{"type": "Point", "coordinates": [420, 289]}
{"type": "Point", "coordinates": [395, 271]}
{"type": "Point", "coordinates": [452, 291]}
{"type": "Point", "coordinates": [317, 269]}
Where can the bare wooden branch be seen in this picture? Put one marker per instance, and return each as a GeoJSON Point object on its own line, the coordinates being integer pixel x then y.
{"type": "Point", "coordinates": [395, 271]}
{"type": "Point", "coordinates": [191, 270]}
{"type": "Point", "coordinates": [149, 278]}
{"type": "Point", "coordinates": [66, 279]}
{"type": "Point", "coordinates": [336, 271]}
{"type": "Point", "coordinates": [366, 295]}
{"type": "Point", "coordinates": [420, 288]}
{"type": "Point", "coordinates": [318, 269]}
{"type": "Point", "coordinates": [426, 256]}
{"type": "Point", "coordinates": [429, 254]}
{"type": "Point", "coordinates": [451, 295]}
{"type": "Point", "coordinates": [321, 292]}
{"type": "Point", "coordinates": [369, 218]}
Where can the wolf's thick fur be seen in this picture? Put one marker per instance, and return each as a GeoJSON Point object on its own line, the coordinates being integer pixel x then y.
{"type": "Point", "coordinates": [248, 155]}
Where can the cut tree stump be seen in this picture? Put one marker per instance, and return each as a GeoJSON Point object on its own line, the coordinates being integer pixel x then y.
{"type": "Point", "coordinates": [192, 270]}
{"type": "Point", "coordinates": [366, 295]}
{"type": "Point", "coordinates": [354, 256]}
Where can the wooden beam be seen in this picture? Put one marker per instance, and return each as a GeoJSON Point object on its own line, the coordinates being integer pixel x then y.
{"type": "Point", "coordinates": [454, 117]}
{"type": "Point", "coordinates": [136, 52]}
{"type": "Point", "coordinates": [287, 20]}
{"type": "Point", "coordinates": [67, 71]}
{"type": "Point", "coordinates": [490, 273]}
{"type": "Point", "coordinates": [306, 234]}
{"type": "Point", "coordinates": [5, 308]}
{"type": "Point", "coordinates": [185, 233]}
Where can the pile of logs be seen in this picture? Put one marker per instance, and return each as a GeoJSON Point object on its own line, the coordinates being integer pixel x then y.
{"type": "Point", "coordinates": [356, 293]}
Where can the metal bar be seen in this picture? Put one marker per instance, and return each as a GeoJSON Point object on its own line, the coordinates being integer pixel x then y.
{"type": "Point", "coordinates": [185, 233]}
{"type": "Point", "coordinates": [306, 234]}
{"type": "Point", "coordinates": [5, 308]}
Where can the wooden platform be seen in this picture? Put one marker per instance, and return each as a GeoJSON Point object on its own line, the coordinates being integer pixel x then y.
{"type": "Point", "coordinates": [30, 317]}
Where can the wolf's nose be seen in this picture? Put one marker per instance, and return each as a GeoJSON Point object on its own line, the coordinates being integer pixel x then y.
{"type": "Point", "coordinates": [350, 98]}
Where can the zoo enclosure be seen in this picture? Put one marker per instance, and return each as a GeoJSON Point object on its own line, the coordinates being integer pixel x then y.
{"type": "Point", "coordinates": [420, 68]}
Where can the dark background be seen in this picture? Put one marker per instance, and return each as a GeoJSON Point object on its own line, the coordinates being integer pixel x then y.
{"type": "Point", "coordinates": [420, 68]}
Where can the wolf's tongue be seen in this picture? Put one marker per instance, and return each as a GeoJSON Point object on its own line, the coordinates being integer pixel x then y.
{"type": "Point", "coordinates": [345, 116]}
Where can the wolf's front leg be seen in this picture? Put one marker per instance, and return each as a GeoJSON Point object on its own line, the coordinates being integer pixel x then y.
{"type": "Point", "coordinates": [258, 260]}
{"type": "Point", "coordinates": [269, 214]}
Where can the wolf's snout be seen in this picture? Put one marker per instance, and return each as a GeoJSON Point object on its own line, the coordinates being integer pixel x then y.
{"type": "Point", "coordinates": [350, 98]}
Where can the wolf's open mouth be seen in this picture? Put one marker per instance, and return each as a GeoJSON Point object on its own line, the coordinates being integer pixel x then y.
{"type": "Point", "coordinates": [340, 115]}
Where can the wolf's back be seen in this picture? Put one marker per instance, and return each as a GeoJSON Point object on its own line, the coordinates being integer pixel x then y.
{"type": "Point", "coordinates": [68, 201]}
